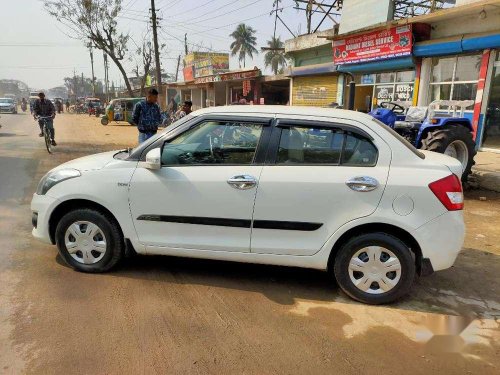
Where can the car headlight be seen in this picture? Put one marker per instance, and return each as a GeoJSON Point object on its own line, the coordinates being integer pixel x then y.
{"type": "Point", "coordinates": [54, 177]}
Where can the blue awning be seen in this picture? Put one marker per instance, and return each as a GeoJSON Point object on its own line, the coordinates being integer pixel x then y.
{"type": "Point", "coordinates": [379, 66]}
{"type": "Point", "coordinates": [456, 45]}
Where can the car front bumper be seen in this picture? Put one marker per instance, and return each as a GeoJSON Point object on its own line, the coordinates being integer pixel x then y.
{"type": "Point", "coordinates": [442, 239]}
{"type": "Point", "coordinates": [7, 110]}
{"type": "Point", "coordinates": [41, 209]}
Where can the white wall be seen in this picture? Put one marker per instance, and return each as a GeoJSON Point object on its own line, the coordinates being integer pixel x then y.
{"type": "Point", "coordinates": [357, 14]}
{"type": "Point", "coordinates": [469, 24]}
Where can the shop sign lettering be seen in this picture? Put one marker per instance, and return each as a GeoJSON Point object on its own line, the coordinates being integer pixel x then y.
{"type": "Point", "coordinates": [375, 45]}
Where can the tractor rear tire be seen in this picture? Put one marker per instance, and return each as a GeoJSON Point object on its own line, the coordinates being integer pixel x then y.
{"type": "Point", "coordinates": [438, 140]}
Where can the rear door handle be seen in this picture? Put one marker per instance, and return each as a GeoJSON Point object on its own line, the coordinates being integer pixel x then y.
{"type": "Point", "coordinates": [242, 182]}
{"type": "Point", "coordinates": [362, 183]}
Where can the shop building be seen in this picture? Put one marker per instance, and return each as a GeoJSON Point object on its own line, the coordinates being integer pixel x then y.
{"type": "Point", "coordinates": [427, 58]}
{"type": "Point", "coordinates": [232, 87]}
{"type": "Point", "coordinates": [314, 80]}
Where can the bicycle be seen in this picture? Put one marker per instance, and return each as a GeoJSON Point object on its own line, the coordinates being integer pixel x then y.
{"type": "Point", "coordinates": [46, 132]}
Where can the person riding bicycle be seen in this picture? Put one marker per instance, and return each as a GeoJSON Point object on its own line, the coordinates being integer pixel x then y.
{"type": "Point", "coordinates": [45, 108]}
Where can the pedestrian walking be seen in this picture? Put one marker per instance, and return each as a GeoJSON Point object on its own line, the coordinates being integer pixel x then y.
{"type": "Point", "coordinates": [147, 116]}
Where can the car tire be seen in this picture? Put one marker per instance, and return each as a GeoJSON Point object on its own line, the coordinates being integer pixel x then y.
{"type": "Point", "coordinates": [379, 287]}
{"type": "Point", "coordinates": [98, 251]}
{"type": "Point", "coordinates": [438, 140]}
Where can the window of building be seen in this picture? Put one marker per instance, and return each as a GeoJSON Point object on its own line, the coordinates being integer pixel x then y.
{"type": "Point", "coordinates": [306, 145]}
{"type": "Point", "coordinates": [455, 78]}
{"type": "Point", "coordinates": [389, 86]}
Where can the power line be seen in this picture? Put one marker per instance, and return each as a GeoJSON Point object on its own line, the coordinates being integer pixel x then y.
{"type": "Point", "coordinates": [238, 22]}
{"type": "Point", "coordinates": [191, 44]}
{"type": "Point", "coordinates": [39, 45]}
{"type": "Point", "coordinates": [190, 20]}
{"type": "Point", "coordinates": [223, 14]}
{"type": "Point", "coordinates": [189, 10]}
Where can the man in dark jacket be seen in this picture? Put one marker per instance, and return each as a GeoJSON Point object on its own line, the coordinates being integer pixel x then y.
{"type": "Point", "coordinates": [45, 108]}
{"type": "Point", "coordinates": [147, 116]}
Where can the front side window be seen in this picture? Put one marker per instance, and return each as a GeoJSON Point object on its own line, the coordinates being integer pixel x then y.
{"type": "Point", "coordinates": [214, 142]}
{"type": "Point", "coordinates": [307, 145]}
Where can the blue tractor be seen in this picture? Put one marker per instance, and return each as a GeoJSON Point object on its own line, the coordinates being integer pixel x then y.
{"type": "Point", "coordinates": [440, 127]}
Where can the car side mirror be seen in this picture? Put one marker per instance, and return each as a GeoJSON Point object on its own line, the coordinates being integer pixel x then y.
{"type": "Point", "coordinates": [153, 159]}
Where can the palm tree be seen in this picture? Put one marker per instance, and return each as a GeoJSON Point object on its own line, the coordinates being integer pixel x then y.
{"type": "Point", "coordinates": [275, 56]}
{"type": "Point", "coordinates": [244, 42]}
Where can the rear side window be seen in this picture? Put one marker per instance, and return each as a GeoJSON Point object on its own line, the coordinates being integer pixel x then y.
{"type": "Point", "coordinates": [307, 145]}
{"type": "Point", "coordinates": [407, 144]}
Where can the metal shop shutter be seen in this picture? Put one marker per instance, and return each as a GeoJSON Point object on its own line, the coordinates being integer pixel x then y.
{"type": "Point", "coordinates": [317, 91]}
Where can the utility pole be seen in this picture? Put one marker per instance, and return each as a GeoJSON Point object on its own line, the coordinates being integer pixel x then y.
{"type": "Point", "coordinates": [75, 84]}
{"type": "Point", "coordinates": [155, 43]}
{"type": "Point", "coordinates": [106, 83]}
{"type": "Point", "coordinates": [186, 43]}
{"type": "Point", "coordinates": [92, 63]}
{"type": "Point", "coordinates": [177, 70]}
{"type": "Point", "coordinates": [83, 87]}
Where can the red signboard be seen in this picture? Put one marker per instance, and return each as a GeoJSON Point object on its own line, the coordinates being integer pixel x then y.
{"type": "Point", "coordinates": [375, 45]}
{"type": "Point", "coordinates": [188, 73]}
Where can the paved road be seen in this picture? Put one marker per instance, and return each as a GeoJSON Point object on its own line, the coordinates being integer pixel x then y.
{"type": "Point", "coordinates": [168, 315]}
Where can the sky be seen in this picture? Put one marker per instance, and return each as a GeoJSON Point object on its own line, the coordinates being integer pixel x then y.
{"type": "Point", "coordinates": [39, 51]}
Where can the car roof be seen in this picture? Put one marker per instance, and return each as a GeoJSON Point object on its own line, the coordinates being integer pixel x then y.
{"type": "Point", "coordinates": [284, 110]}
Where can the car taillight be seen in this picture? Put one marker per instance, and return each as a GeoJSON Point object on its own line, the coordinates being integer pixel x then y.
{"type": "Point", "coordinates": [449, 192]}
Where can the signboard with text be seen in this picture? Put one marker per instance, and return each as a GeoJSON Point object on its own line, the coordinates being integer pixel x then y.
{"type": "Point", "coordinates": [216, 63]}
{"type": "Point", "coordinates": [374, 45]}
{"type": "Point", "coordinates": [228, 76]}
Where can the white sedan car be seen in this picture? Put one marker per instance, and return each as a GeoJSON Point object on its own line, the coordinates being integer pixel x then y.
{"type": "Point", "coordinates": [304, 187]}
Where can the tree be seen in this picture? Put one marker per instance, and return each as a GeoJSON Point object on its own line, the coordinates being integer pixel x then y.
{"type": "Point", "coordinates": [79, 86]}
{"type": "Point", "coordinates": [94, 21]}
{"type": "Point", "coordinates": [275, 57]}
{"type": "Point", "coordinates": [146, 53]}
{"type": "Point", "coordinates": [244, 43]}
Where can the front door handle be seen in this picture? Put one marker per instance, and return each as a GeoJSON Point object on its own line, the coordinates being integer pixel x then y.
{"type": "Point", "coordinates": [362, 183]}
{"type": "Point", "coordinates": [242, 182]}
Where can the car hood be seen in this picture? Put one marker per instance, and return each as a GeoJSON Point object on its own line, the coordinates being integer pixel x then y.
{"type": "Point", "coordinates": [91, 162]}
{"type": "Point", "coordinates": [6, 104]}
{"type": "Point", "coordinates": [453, 164]}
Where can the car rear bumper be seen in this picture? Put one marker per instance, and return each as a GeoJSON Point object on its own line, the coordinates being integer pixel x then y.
{"type": "Point", "coordinates": [41, 209]}
{"type": "Point", "coordinates": [442, 239]}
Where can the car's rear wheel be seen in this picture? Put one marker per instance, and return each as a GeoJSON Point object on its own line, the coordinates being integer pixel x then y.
{"type": "Point", "coordinates": [89, 240]}
{"type": "Point", "coordinates": [375, 268]}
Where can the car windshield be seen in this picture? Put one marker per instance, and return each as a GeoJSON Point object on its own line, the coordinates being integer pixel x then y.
{"type": "Point", "coordinates": [5, 100]}
{"type": "Point", "coordinates": [400, 138]}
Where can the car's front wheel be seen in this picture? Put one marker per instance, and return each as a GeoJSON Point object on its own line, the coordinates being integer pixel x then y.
{"type": "Point", "coordinates": [375, 268]}
{"type": "Point", "coordinates": [89, 240]}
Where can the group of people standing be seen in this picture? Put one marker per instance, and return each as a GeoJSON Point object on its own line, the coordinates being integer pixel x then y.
{"type": "Point", "coordinates": [147, 114]}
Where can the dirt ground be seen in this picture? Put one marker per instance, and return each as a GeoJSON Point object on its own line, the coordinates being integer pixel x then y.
{"type": "Point", "coordinates": [172, 315]}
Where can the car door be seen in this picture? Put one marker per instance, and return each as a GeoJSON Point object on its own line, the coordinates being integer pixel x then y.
{"type": "Point", "coordinates": [319, 175]}
{"type": "Point", "coordinates": [203, 195]}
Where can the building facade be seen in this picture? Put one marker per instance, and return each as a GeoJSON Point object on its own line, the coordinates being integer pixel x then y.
{"type": "Point", "coordinates": [450, 54]}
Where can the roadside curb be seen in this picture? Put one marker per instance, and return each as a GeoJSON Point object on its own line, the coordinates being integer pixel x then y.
{"type": "Point", "coordinates": [487, 180]}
